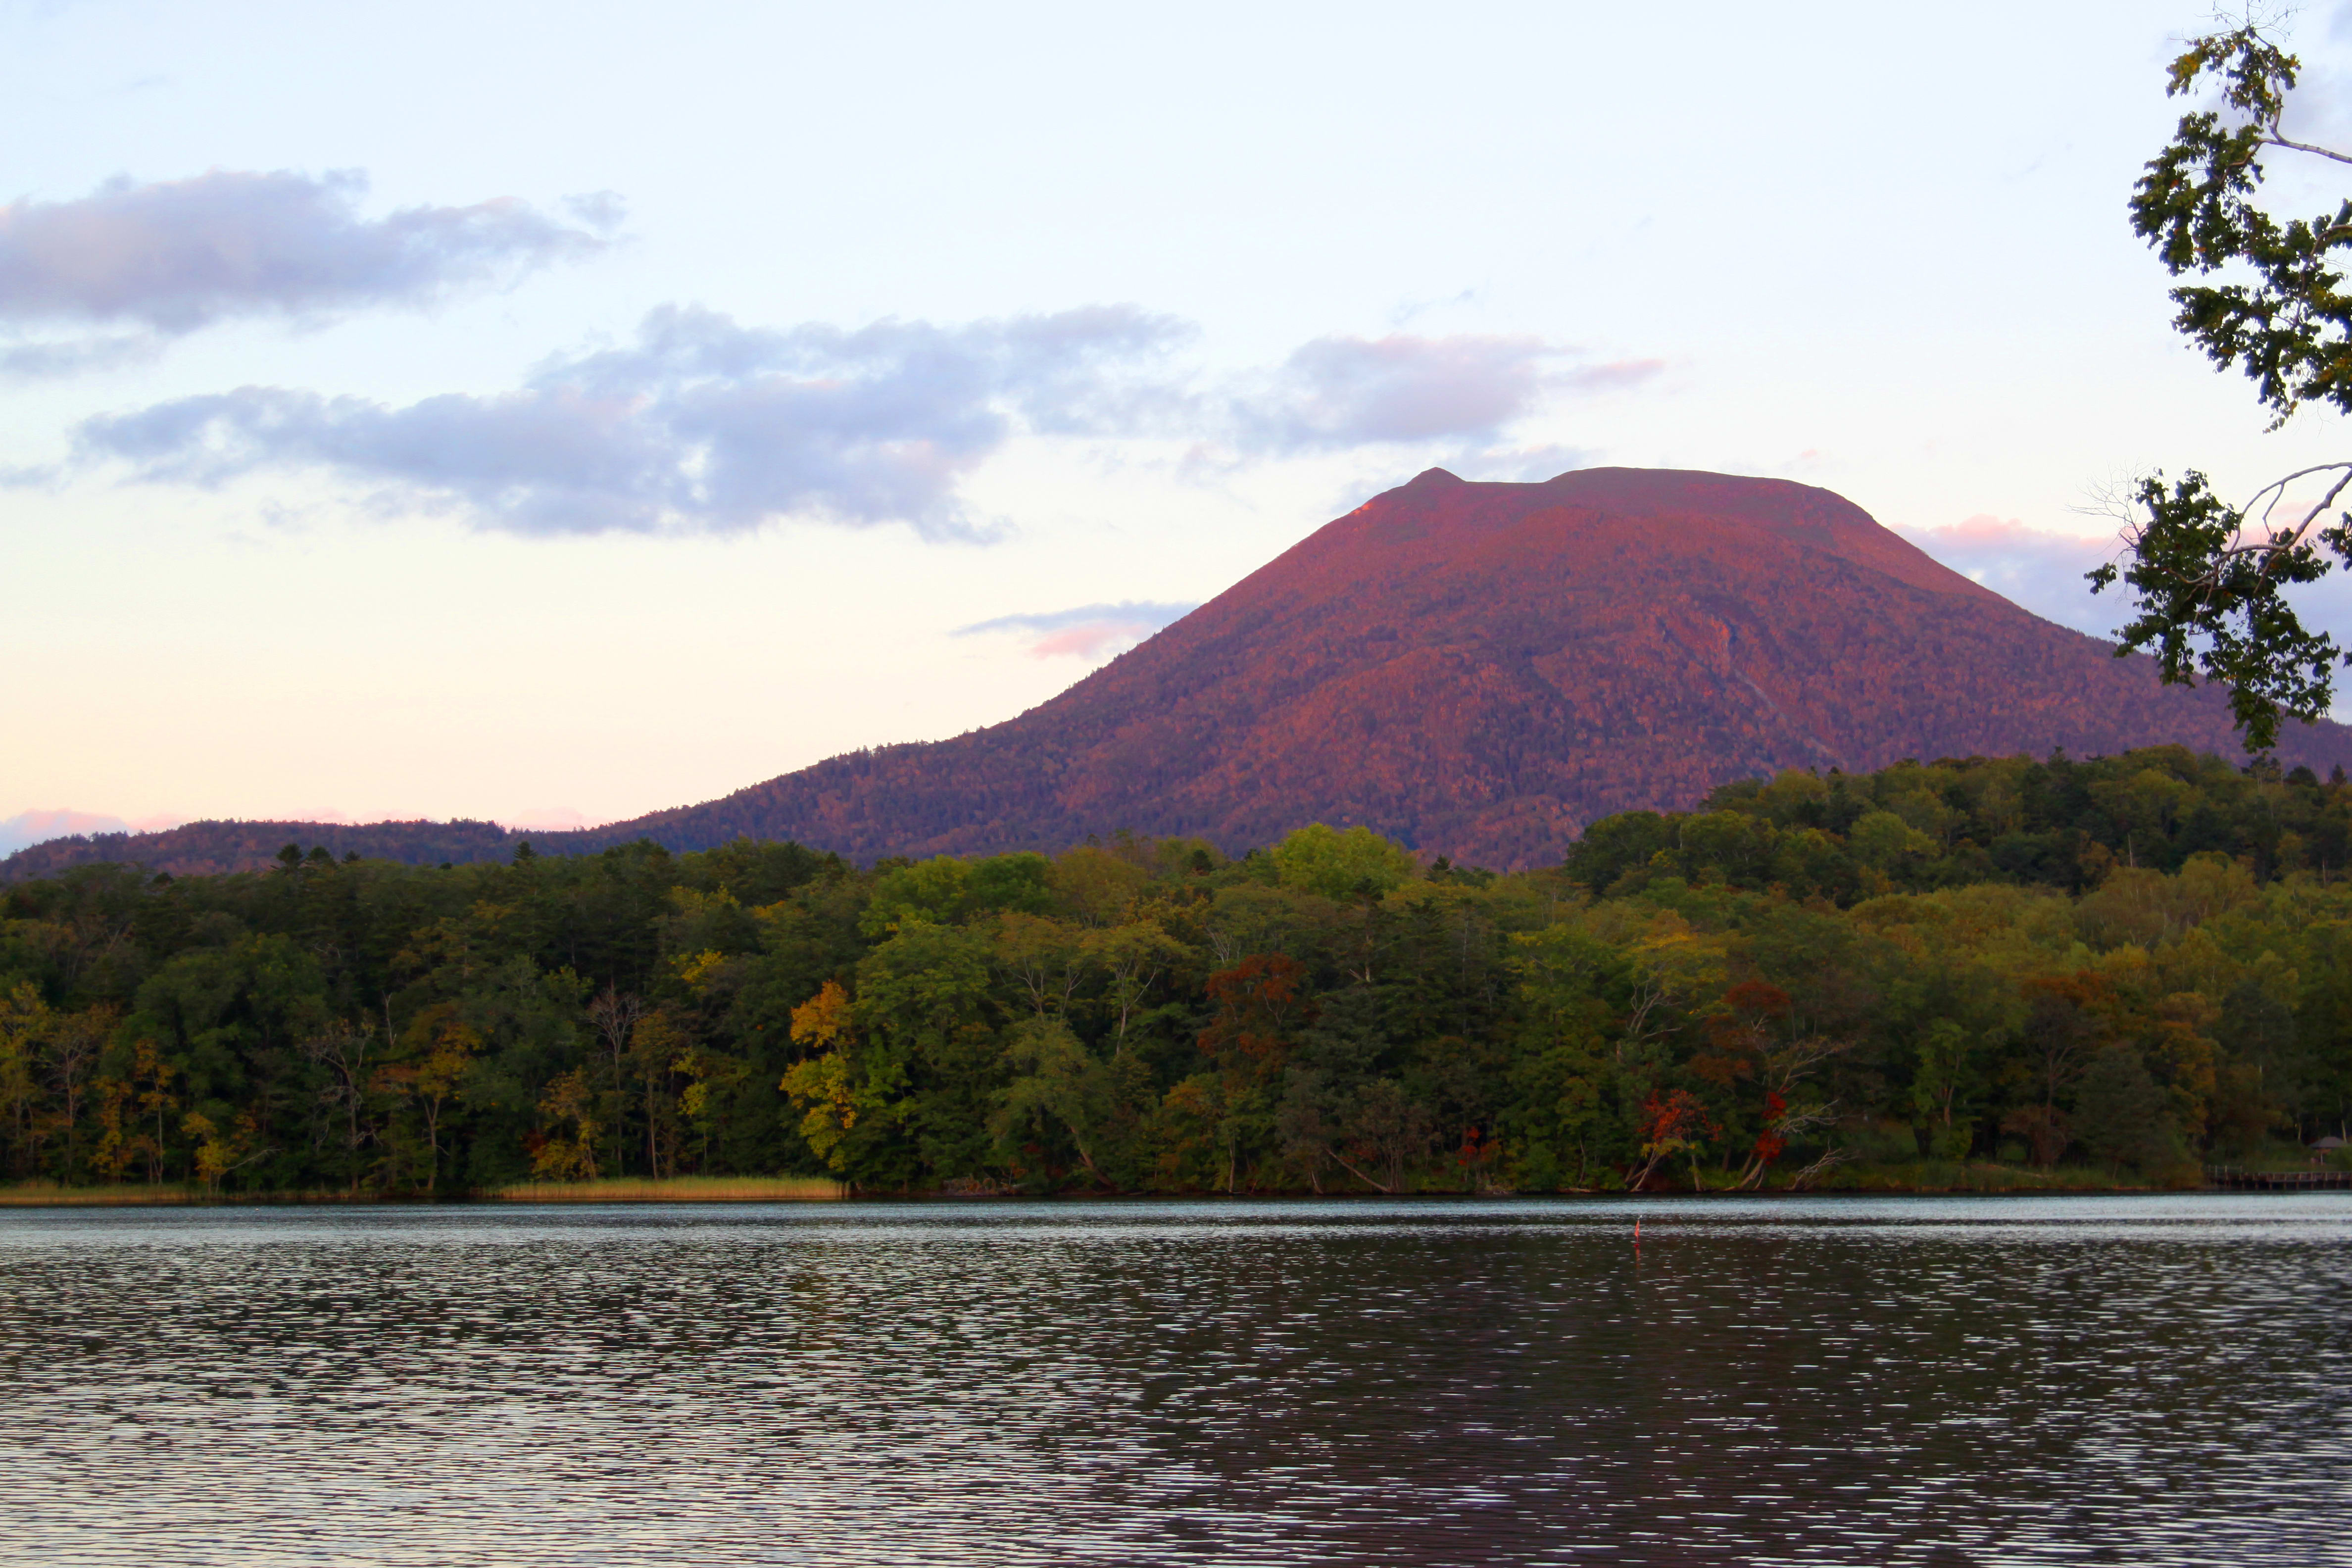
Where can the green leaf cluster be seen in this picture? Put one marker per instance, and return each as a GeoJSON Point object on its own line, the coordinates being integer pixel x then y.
{"type": "Point", "coordinates": [2265, 296]}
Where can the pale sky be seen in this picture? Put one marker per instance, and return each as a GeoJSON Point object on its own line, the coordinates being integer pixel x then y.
{"type": "Point", "coordinates": [558, 412]}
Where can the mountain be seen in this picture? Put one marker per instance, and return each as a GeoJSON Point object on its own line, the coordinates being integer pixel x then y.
{"type": "Point", "coordinates": [1476, 670]}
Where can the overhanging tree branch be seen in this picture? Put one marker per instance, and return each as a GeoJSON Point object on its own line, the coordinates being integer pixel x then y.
{"type": "Point", "coordinates": [2275, 140]}
{"type": "Point", "coordinates": [2209, 580]}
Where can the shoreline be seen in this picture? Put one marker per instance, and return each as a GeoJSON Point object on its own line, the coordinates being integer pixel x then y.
{"type": "Point", "coordinates": [1989, 1182]}
{"type": "Point", "coordinates": [623, 1190]}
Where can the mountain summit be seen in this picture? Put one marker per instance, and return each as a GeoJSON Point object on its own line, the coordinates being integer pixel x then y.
{"type": "Point", "coordinates": [1479, 670]}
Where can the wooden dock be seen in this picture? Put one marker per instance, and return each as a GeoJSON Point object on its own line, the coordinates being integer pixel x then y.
{"type": "Point", "coordinates": [2237, 1180]}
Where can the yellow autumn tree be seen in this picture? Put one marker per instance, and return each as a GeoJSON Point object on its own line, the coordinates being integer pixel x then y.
{"type": "Point", "coordinates": [824, 1085]}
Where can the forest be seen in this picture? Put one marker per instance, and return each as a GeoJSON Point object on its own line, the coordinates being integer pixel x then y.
{"type": "Point", "coordinates": [2108, 970]}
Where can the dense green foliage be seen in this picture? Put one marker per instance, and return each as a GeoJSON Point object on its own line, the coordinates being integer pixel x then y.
{"type": "Point", "coordinates": [2210, 580]}
{"type": "Point", "coordinates": [2132, 961]}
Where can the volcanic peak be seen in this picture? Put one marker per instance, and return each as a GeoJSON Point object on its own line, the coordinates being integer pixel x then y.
{"type": "Point", "coordinates": [1480, 670]}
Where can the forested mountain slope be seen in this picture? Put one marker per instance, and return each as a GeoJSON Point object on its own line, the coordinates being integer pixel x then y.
{"type": "Point", "coordinates": [1473, 670]}
{"type": "Point", "coordinates": [2132, 964]}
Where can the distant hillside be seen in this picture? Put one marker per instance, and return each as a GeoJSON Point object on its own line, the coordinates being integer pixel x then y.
{"type": "Point", "coordinates": [1476, 670]}
{"type": "Point", "coordinates": [196, 848]}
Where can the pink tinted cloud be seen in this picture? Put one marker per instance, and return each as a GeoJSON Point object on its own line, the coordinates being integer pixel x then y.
{"type": "Point", "coordinates": [2041, 571]}
{"type": "Point", "coordinates": [1088, 639]}
{"type": "Point", "coordinates": [38, 826]}
{"type": "Point", "coordinates": [1616, 373]}
{"type": "Point", "coordinates": [1086, 631]}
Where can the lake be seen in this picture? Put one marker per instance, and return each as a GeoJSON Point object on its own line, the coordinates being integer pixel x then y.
{"type": "Point", "coordinates": [1933, 1381]}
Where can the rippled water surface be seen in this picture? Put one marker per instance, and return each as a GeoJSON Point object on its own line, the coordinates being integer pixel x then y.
{"type": "Point", "coordinates": [1938, 1382]}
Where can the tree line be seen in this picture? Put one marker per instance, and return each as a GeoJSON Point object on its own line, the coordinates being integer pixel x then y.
{"type": "Point", "coordinates": [2133, 963]}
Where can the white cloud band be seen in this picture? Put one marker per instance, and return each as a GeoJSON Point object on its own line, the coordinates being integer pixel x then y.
{"type": "Point", "coordinates": [702, 425]}
{"type": "Point", "coordinates": [162, 259]}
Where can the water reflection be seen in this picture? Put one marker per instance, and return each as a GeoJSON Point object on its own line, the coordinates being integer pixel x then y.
{"type": "Point", "coordinates": [1834, 1381]}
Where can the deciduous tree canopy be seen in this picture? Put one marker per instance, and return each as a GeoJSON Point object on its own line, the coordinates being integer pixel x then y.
{"type": "Point", "coordinates": [2132, 960]}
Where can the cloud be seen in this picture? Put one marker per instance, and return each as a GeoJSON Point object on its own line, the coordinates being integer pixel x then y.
{"type": "Point", "coordinates": [74, 355]}
{"type": "Point", "coordinates": [1344, 392]}
{"type": "Point", "coordinates": [30, 827]}
{"type": "Point", "coordinates": [700, 424]}
{"type": "Point", "coordinates": [2042, 571]}
{"type": "Point", "coordinates": [1086, 631]}
{"type": "Point", "coordinates": [703, 425]}
{"type": "Point", "coordinates": [603, 212]}
{"type": "Point", "coordinates": [1520, 465]}
{"type": "Point", "coordinates": [164, 259]}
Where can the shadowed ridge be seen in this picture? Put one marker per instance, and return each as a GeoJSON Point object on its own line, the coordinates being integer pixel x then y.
{"type": "Point", "coordinates": [1479, 669]}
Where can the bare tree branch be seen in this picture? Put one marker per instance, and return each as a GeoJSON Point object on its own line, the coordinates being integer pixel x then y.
{"type": "Point", "coordinates": [2275, 139]}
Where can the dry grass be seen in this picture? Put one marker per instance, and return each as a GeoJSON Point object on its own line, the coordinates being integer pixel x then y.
{"type": "Point", "coordinates": [168, 1195]}
{"type": "Point", "coordinates": [674, 1190]}
{"type": "Point", "coordinates": [122, 1194]}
